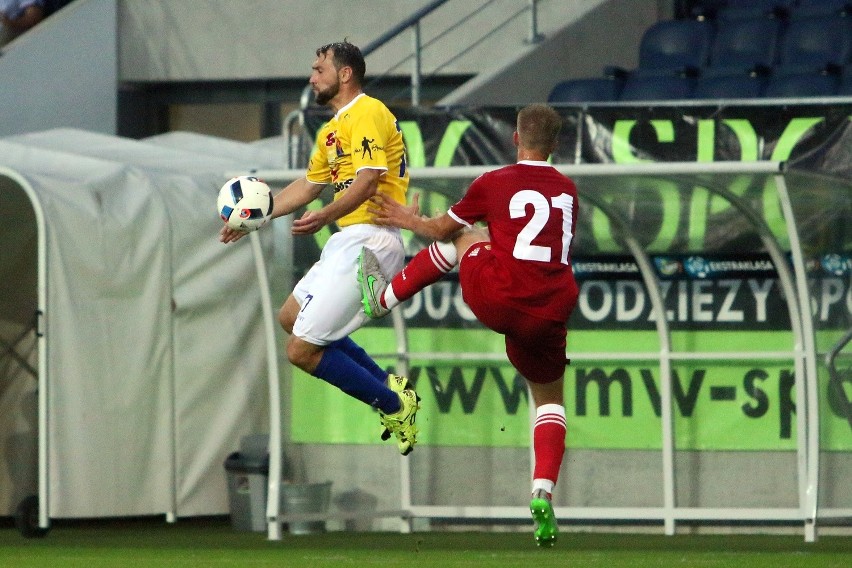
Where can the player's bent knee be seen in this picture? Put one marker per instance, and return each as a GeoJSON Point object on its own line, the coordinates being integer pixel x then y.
{"type": "Point", "coordinates": [547, 393]}
{"type": "Point", "coordinates": [302, 354]}
{"type": "Point", "coordinates": [468, 238]}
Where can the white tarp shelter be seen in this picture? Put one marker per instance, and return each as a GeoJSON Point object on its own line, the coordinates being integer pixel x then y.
{"type": "Point", "coordinates": [147, 334]}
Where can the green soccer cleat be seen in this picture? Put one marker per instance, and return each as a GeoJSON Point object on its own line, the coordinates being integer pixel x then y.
{"type": "Point", "coordinates": [401, 423]}
{"type": "Point", "coordinates": [373, 284]}
{"type": "Point", "coordinates": [545, 521]}
{"type": "Point", "coordinates": [397, 384]}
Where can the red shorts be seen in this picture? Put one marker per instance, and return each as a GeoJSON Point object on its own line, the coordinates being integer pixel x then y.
{"type": "Point", "coordinates": [535, 346]}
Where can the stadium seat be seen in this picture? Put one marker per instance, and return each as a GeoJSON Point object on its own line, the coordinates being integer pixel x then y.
{"type": "Point", "coordinates": [586, 90]}
{"type": "Point", "coordinates": [736, 86]}
{"type": "Point", "coordinates": [801, 84]}
{"type": "Point", "coordinates": [817, 42]}
{"type": "Point", "coordinates": [640, 87]}
{"type": "Point", "coordinates": [681, 46]}
{"type": "Point", "coordinates": [746, 44]}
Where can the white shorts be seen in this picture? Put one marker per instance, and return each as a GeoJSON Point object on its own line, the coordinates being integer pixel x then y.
{"type": "Point", "coordinates": [329, 294]}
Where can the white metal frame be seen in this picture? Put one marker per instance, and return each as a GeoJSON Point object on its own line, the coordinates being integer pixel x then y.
{"type": "Point", "coordinates": [802, 353]}
{"type": "Point", "coordinates": [806, 391]}
{"type": "Point", "coordinates": [273, 490]}
{"type": "Point", "coordinates": [41, 341]}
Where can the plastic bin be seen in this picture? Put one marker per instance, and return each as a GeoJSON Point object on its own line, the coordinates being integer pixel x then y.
{"type": "Point", "coordinates": [355, 501]}
{"type": "Point", "coordinates": [305, 498]}
{"type": "Point", "coordinates": [247, 477]}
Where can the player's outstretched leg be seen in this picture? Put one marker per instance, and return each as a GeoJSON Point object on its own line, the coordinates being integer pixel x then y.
{"type": "Point", "coordinates": [545, 521]}
{"type": "Point", "coordinates": [401, 423]}
{"type": "Point", "coordinates": [373, 284]}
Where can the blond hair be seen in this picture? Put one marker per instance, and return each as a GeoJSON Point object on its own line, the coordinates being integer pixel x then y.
{"type": "Point", "coordinates": [538, 128]}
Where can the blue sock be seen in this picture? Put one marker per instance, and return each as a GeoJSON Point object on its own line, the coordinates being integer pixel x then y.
{"type": "Point", "coordinates": [357, 354]}
{"type": "Point", "coordinates": [339, 369]}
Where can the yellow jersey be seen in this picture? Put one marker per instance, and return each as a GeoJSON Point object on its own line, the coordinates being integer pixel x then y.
{"type": "Point", "coordinates": [363, 134]}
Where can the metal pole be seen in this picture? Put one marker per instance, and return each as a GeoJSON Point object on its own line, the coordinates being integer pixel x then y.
{"type": "Point", "coordinates": [402, 350]}
{"type": "Point", "coordinates": [415, 71]}
{"type": "Point", "coordinates": [534, 36]}
{"type": "Point", "coordinates": [273, 488]}
{"type": "Point", "coordinates": [807, 392]}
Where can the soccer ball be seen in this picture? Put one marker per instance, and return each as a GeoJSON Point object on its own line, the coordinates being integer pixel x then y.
{"type": "Point", "coordinates": [245, 203]}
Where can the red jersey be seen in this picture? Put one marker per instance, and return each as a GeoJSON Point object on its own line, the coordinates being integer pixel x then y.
{"type": "Point", "coordinates": [531, 211]}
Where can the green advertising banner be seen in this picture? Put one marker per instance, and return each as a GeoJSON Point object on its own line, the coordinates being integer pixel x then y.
{"type": "Point", "coordinates": [715, 305]}
{"type": "Point", "coordinates": [717, 405]}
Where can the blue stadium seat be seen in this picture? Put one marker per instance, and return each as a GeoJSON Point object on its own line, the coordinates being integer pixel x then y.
{"type": "Point", "coordinates": [736, 86]}
{"type": "Point", "coordinates": [747, 44]}
{"type": "Point", "coordinates": [653, 87]}
{"type": "Point", "coordinates": [816, 42]}
{"type": "Point", "coordinates": [801, 84]}
{"type": "Point", "coordinates": [586, 90]}
{"type": "Point", "coordinates": [675, 46]}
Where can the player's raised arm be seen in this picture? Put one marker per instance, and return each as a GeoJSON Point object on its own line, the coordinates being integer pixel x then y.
{"type": "Point", "coordinates": [391, 213]}
{"type": "Point", "coordinates": [297, 194]}
{"type": "Point", "coordinates": [365, 186]}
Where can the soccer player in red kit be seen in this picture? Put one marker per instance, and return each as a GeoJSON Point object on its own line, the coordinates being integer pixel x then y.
{"type": "Point", "coordinates": [515, 276]}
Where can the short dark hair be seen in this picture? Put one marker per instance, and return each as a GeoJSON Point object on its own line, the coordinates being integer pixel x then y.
{"type": "Point", "coordinates": [345, 54]}
{"type": "Point", "coordinates": [538, 128]}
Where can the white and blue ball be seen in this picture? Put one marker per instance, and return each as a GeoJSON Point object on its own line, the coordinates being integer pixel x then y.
{"type": "Point", "coordinates": [245, 203]}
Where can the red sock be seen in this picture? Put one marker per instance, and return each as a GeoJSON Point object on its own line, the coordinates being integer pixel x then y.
{"type": "Point", "coordinates": [549, 441]}
{"type": "Point", "coordinates": [427, 267]}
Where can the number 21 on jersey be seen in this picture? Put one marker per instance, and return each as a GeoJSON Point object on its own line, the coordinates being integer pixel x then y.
{"type": "Point", "coordinates": [542, 209]}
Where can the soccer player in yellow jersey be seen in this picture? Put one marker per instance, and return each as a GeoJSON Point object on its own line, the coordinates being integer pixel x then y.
{"type": "Point", "coordinates": [360, 153]}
